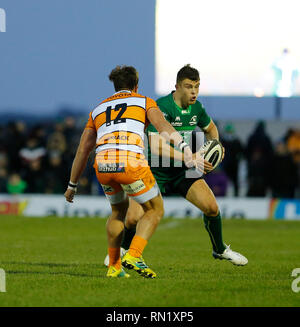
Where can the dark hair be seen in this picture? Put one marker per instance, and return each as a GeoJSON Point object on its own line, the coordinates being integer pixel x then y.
{"type": "Point", "coordinates": [124, 77]}
{"type": "Point", "coordinates": [187, 72]}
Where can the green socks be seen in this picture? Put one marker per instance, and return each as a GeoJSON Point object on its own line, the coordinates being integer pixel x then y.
{"type": "Point", "coordinates": [127, 237]}
{"type": "Point", "coordinates": [213, 225]}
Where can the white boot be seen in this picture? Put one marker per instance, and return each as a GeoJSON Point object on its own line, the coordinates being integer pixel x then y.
{"type": "Point", "coordinates": [234, 257]}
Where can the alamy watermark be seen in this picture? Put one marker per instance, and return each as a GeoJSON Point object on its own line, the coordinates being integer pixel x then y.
{"type": "Point", "coordinates": [296, 281]}
{"type": "Point", "coordinates": [2, 280]}
{"type": "Point", "coordinates": [160, 155]}
{"type": "Point", "coordinates": [2, 20]}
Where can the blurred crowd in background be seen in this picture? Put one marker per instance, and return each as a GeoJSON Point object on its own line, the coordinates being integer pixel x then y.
{"type": "Point", "coordinates": [38, 158]}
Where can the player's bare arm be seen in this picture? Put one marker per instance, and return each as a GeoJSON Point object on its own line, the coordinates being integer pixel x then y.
{"type": "Point", "coordinates": [160, 147]}
{"type": "Point", "coordinates": [86, 145]}
{"type": "Point", "coordinates": [164, 128]}
{"type": "Point", "coordinates": [168, 132]}
{"type": "Point", "coordinates": [211, 132]}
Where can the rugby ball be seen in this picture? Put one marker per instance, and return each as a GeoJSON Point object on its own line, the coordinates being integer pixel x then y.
{"type": "Point", "coordinates": [213, 152]}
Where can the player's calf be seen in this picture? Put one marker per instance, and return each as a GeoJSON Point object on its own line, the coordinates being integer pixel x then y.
{"type": "Point", "coordinates": [146, 226]}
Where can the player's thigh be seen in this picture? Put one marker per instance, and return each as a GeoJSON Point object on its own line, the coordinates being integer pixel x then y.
{"type": "Point", "coordinates": [119, 210]}
{"type": "Point", "coordinates": [140, 185]}
{"type": "Point", "coordinates": [155, 204]}
{"type": "Point", "coordinates": [203, 198]}
{"type": "Point", "coordinates": [111, 188]}
{"type": "Point", "coordinates": [115, 195]}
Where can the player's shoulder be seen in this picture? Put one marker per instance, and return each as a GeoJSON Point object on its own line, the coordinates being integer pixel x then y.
{"type": "Point", "coordinates": [149, 102]}
{"type": "Point", "coordinates": [101, 105]}
{"type": "Point", "coordinates": [102, 101]}
{"type": "Point", "coordinates": [165, 103]}
{"type": "Point", "coordinates": [138, 95]}
{"type": "Point", "coordinates": [164, 100]}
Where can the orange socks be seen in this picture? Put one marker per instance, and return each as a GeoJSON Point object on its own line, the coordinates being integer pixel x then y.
{"type": "Point", "coordinates": [114, 257]}
{"type": "Point", "coordinates": [137, 246]}
{"type": "Point", "coordinates": [136, 249]}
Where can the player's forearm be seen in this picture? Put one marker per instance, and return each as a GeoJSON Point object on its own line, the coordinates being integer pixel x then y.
{"type": "Point", "coordinates": [86, 145]}
{"type": "Point", "coordinates": [78, 165]}
{"type": "Point", "coordinates": [168, 132]}
{"type": "Point", "coordinates": [161, 148]}
{"type": "Point", "coordinates": [168, 151]}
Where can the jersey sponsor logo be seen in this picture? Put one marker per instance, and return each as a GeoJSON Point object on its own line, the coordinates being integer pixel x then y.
{"type": "Point", "coordinates": [107, 188]}
{"type": "Point", "coordinates": [177, 121]}
{"type": "Point", "coordinates": [134, 187]}
{"type": "Point", "coordinates": [111, 168]}
{"type": "Point", "coordinates": [118, 137]}
{"type": "Point", "coordinates": [193, 120]}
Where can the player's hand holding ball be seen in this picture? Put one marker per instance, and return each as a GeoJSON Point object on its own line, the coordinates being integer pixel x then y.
{"type": "Point", "coordinates": [213, 153]}
{"type": "Point", "coordinates": [202, 165]}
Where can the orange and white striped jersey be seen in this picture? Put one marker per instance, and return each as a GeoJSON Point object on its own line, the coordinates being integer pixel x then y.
{"type": "Point", "coordinates": [120, 121]}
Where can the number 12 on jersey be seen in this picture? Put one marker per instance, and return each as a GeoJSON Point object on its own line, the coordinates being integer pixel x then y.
{"type": "Point", "coordinates": [119, 107]}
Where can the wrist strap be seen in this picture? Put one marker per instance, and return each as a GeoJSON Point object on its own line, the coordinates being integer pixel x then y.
{"type": "Point", "coordinates": [72, 186]}
{"type": "Point", "coordinates": [182, 145]}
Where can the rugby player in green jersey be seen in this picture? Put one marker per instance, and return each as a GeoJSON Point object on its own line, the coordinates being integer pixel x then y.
{"type": "Point", "coordinates": [184, 112]}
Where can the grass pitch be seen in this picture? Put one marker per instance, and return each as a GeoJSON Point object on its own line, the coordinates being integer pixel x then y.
{"type": "Point", "coordinates": [52, 262]}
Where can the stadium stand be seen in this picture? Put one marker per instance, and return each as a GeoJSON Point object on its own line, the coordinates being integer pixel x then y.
{"type": "Point", "coordinates": [262, 158]}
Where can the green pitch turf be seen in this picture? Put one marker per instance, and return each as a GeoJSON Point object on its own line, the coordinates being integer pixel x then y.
{"type": "Point", "coordinates": [59, 262]}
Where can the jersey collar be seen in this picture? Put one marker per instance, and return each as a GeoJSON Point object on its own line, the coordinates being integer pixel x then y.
{"type": "Point", "coordinates": [123, 91]}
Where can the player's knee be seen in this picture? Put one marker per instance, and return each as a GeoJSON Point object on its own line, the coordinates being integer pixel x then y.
{"type": "Point", "coordinates": [159, 209]}
{"type": "Point", "coordinates": [211, 210]}
{"type": "Point", "coordinates": [155, 209]}
{"type": "Point", "coordinates": [159, 213]}
{"type": "Point", "coordinates": [131, 220]}
{"type": "Point", "coordinates": [114, 227]}
{"type": "Point", "coordinates": [118, 211]}
{"type": "Point", "coordinates": [156, 214]}
{"type": "Point", "coordinates": [134, 213]}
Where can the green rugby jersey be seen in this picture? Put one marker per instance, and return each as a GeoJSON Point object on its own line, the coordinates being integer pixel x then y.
{"type": "Point", "coordinates": [183, 120]}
